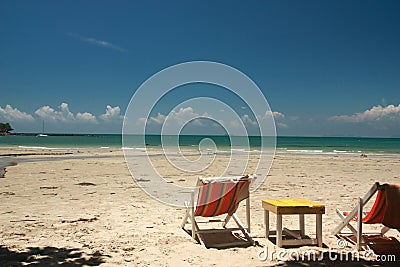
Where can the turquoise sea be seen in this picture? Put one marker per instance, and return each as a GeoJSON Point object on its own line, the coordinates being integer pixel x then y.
{"type": "Point", "coordinates": [296, 145]}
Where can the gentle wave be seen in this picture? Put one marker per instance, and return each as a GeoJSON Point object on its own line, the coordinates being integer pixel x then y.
{"type": "Point", "coordinates": [46, 148]}
{"type": "Point", "coordinates": [134, 148]}
{"type": "Point", "coordinates": [304, 151]}
{"type": "Point", "coordinates": [318, 152]}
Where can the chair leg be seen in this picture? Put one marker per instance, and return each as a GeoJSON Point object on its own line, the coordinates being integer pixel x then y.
{"type": "Point", "coordinates": [227, 218]}
{"type": "Point", "coordinates": [197, 233]}
{"type": "Point", "coordinates": [192, 216]}
{"type": "Point", "coordinates": [185, 219]}
{"type": "Point", "coordinates": [384, 230]}
{"type": "Point", "coordinates": [359, 224]}
{"type": "Point", "coordinates": [242, 228]}
{"type": "Point", "coordinates": [190, 213]}
{"type": "Point", "coordinates": [187, 214]}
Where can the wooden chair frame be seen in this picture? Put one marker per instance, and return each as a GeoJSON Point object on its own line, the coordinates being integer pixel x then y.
{"type": "Point", "coordinates": [196, 231]}
{"type": "Point", "coordinates": [358, 230]}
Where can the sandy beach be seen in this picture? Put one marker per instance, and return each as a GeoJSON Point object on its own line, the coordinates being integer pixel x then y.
{"type": "Point", "coordinates": [84, 208]}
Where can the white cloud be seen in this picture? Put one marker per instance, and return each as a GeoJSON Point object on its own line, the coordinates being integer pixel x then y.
{"type": "Point", "coordinates": [159, 119]}
{"type": "Point", "coordinates": [184, 114]}
{"type": "Point", "coordinates": [64, 115]}
{"type": "Point", "coordinates": [278, 115]}
{"type": "Point", "coordinates": [112, 113]}
{"type": "Point", "coordinates": [282, 125]}
{"type": "Point", "coordinates": [212, 120]}
{"type": "Point", "coordinates": [86, 117]}
{"type": "Point", "coordinates": [179, 117]}
{"type": "Point", "coordinates": [12, 114]}
{"type": "Point", "coordinates": [98, 42]}
{"type": "Point", "coordinates": [261, 120]}
{"type": "Point", "coordinates": [248, 121]}
{"type": "Point", "coordinates": [275, 114]}
{"type": "Point", "coordinates": [48, 113]}
{"type": "Point", "coordinates": [376, 113]}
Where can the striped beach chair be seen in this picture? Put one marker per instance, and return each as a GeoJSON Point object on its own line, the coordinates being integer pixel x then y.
{"type": "Point", "coordinates": [385, 211]}
{"type": "Point", "coordinates": [217, 197]}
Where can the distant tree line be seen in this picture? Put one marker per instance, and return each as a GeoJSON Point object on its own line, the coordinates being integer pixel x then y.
{"type": "Point", "coordinates": [5, 128]}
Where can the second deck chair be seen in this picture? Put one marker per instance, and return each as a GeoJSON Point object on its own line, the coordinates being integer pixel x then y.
{"type": "Point", "coordinates": [385, 210]}
{"type": "Point", "coordinates": [219, 196]}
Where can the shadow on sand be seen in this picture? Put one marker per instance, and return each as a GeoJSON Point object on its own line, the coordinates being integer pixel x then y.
{"type": "Point", "coordinates": [49, 256]}
{"type": "Point", "coordinates": [223, 240]}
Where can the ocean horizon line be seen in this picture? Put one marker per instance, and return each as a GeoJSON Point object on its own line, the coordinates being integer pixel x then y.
{"type": "Point", "coordinates": [212, 135]}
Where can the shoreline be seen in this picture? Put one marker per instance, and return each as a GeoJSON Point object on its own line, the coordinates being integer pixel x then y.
{"type": "Point", "coordinates": [34, 150]}
{"type": "Point", "coordinates": [3, 166]}
{"type": "Point", "coordinates": [47, 134]}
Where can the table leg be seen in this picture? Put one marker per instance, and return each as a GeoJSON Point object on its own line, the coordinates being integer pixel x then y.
{"type": "Point", "coordinates": [279, 230]}
{"type": "Point", "coordinates": [301, 221]}
{"type": "Point", "coordinates": [266, 223]}
{"type": "Point", "coordinates": [319, 230]}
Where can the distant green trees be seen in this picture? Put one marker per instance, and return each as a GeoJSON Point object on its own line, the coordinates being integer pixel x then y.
{"type": "Point", "coordinates": [5, 127]}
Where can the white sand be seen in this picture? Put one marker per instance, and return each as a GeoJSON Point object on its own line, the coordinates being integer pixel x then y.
{"type": "Point", "coordinates": [43, 204]}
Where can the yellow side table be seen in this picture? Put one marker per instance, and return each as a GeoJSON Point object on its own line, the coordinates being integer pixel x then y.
{"type": "Point", "coordinates": [289, 207]}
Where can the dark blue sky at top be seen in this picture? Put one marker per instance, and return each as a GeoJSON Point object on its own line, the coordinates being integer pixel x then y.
{"type": "Point", "coordinates": [311, 59]}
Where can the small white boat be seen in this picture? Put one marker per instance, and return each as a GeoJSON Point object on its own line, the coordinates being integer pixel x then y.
{"type": "Point", "coordinates": [42, 134]}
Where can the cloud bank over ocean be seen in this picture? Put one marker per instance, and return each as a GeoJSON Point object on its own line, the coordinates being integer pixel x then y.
{"type": "Point", "coordinates": [380, 121]}
{"type": "Point", "coordinates": [62, 119]}
{"type": "Point", "coordinates": [376, 113]}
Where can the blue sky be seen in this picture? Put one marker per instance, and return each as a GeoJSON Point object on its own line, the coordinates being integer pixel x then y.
{"type": "Point", "coordinates": [326, 67]}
